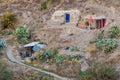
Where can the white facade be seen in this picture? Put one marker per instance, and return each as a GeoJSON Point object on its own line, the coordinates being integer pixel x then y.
{"type": "Point", "coordinates": [59, 16]}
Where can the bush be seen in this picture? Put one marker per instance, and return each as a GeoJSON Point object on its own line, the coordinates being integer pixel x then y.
{"type": "Point", "coordinates": [99, 72]}
{"type": "Point", "coordinates": [6, 32]}
{"type": "Point", "coordinates": [114, 32]}
{"type": "Point", "coordinates": [74, 58]}
{"type": "Point", "coordinates": [74, 49]}
{"type": "Point", "coordinates": [2, 32]}
{"type": "Point", "coordinates": [45, 56]}
{"type": "Point", "coordinates": [7, 20]}
{"type": "Point", "coordinates": [22, 34]}
{"type": "Point", "coordinates": [44, 5]}
{"type": "Point", "coordinates": [106, 44]}
{"type": "Point", "coordinates": [5, 74]}
{"type": "Point", "coordinates": [49, 55]}
{"type": "Point", "coordinates": [36, 76]}
{"type": "Point", "coordinates": [42, 43]}
{"type": "Point", "coordinates": [54, 51]}
{"type": "Point", "coordinates": [59, 58]}
{"type": "Point", "coordinates": [52, 56]}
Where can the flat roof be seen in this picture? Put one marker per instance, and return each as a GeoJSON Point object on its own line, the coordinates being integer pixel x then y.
{"type": "Point", "coordinates": [66, 11]}
{"type": "Point", "coordinates": [94, 17]}
{"type": "Point", "coordinates": [31, 44]}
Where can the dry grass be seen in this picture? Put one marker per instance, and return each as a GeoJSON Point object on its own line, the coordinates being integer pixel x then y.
{"type": "Point", "coordinates": [114, 58]}
{"type": "Point", "coordinates": [92, 48]}
{"type": "Point", "coordinates": [67, 69]}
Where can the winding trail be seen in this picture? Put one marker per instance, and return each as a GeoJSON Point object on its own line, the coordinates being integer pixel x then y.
{"type": "Point", "coordinates": [12, 58]}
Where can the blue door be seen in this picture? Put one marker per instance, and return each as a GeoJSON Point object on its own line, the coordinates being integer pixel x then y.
{"type": "Point", "coordinates": [67, 18]}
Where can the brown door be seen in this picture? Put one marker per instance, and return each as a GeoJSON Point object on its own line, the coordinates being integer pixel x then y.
{"type": "Point", "coordinates": [98, 24]}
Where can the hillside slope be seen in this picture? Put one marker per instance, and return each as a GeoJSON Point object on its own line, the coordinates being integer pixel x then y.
{"type": "Point", "coordinates": [28, 11]}
{"type": "Point", "coordinates": [62, 36]}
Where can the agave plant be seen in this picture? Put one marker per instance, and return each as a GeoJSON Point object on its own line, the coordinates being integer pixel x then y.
{"type": "Point", "coordinates": [59, 58]}
{"type": "Point", "coordinates": [22, 34]}
{"type": "Point", "coordinates": [45, 56]}
{"type": "Point", "coordinates": [106, 44]}
{"type": "Point", "coordinates": [114, 32]}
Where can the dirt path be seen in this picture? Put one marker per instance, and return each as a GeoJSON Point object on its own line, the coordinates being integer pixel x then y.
{"type": "Point", "coordinates": [12, 58]}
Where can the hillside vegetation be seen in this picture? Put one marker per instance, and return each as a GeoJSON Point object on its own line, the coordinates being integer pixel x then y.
{"type": "Point", "coordinates": [86, 54]}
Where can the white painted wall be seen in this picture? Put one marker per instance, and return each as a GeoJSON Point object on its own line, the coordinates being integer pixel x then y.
{"type": "Point", "coordinates": [59, 16]}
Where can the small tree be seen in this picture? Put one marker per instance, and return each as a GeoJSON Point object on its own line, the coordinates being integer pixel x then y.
{"type": "Point", "coordinates": [7, 20]}
{"type": "Point", "coordinates": [22, 34]}
{"type": "Point", "coordinates": [43, 5]}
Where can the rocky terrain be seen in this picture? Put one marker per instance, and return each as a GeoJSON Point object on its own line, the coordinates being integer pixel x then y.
{"type": "Point", "coordinates": [56, 36]}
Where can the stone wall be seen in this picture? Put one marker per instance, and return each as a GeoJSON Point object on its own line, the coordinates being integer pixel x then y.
{"type": "Point", "coordinates": [59, 16]}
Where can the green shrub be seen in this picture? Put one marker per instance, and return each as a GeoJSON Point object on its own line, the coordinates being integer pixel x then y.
{"type": "Point", "coordinates": [48, 55]}
{"type": "Point", "coordinates": [106, 44]}
{"type": "Point", "coordinates": [99, 37]}
{"type": "Point", "coordinates": [44, 5]}
{"type": "Point", "coordinates": [114, 32]}
{"type": "Point", "coordinates": [74, 58]}
{"type": "Point", "coordinates": [45, 56]}
{"type": "Point", "coordinates": [101, 34]}
{"type": "Point", "coordinates": [1, 51]}
{"type": "Point", "coordinates": [38, 76]}
{"type": "Point", "coordinates": [2, 32]}
{"type": "Point", "coordinates": [22, 34]}
{"type": "Point", "coordinates": [59, 58]}
{"type": "Point", "coordinates": [7, 20]}
{"type": "Point", "coordinates": [54, 51]}
{"type": "Point", "coordinates": [74, 49]}
{"type": "Point", "coordinates": [42, 43]}
{"type": "Point", "coordinates": [52, 56]}
{"type": "Point", "coordinates": [6, 32]}
{"type": "Point", "coordinates": [5, 74]}
{"type": "Point", "coordinates": [99, 72]}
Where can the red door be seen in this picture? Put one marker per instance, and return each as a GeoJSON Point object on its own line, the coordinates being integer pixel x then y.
{"type": "Point", "coordinates": [102, 23]}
